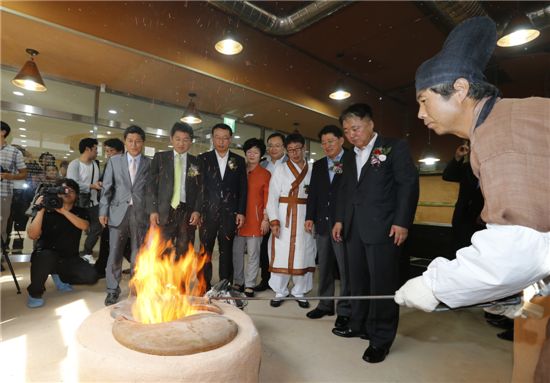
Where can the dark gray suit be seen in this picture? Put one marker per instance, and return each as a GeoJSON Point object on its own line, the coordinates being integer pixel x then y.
{"type": "Point", "coordinates": [174, 223]}
{"type": "Point", "coordinates": [385, 194]}
{"type": "Point", "coordinates": [125, 220]}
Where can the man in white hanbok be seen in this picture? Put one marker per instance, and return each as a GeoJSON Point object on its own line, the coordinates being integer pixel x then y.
{"type": "Point", "coordinates": [291, 249]}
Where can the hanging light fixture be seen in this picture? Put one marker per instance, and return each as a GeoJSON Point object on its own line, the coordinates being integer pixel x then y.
{"type": "Point", "coordinates": [519, 31]}
{"type": "Point", "coordinates": [429, 157]}
{"type": "Point", "coordinates": [229, 44]}
{"type": "Point", "coordinates": [191, 114]}
{"type": "Point", "coordinates": [340, 94]}
{"type": "Point", "coordinates": [29, 77]}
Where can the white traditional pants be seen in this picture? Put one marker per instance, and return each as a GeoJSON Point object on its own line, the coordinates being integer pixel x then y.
{"type": "Point", "coordinates": [502, 261]}
{"type": "Point", "coordinates": [302, 284]}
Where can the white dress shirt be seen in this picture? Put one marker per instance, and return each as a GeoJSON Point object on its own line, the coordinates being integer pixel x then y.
{"type": "Point", "coordinates": [222, 162]}
{"type": "Point", "coordinates": [183, 157]}
{"type": "Point", "coordinates": [362, 155]}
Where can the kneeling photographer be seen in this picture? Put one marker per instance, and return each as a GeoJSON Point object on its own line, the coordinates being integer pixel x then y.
{"type": "Point", "coordinates": [57, 228]}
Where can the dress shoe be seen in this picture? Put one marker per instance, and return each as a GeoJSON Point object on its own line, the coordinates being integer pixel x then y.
{"type": "Point", "coordinates": [303, 304]}
{"type": "Point", "coordinates": [317, 313]}
{"type": "Point", "coordinates": [503, 323]}
{"type": "Point", "coordinates": [262, 286]}
{"type": "Point", "coordinates": [341, 321]}
{"type": "Point", "coordinates": [275, 302]}
{"type": "Point", "coordinates": [507, 335]}
{"type": "Point", "coordinates": [111, 299]}
{"type": "Point", "coordinates": [346, 332]}
{"type": "Point", "coordinates": [375, 354]}
{"type": "Point", "coordinates": [249, 292]}
{"type": "Point", "coordinates": [238, 288]}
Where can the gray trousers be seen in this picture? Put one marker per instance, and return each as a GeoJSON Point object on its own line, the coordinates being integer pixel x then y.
{"type": "Point", "coordinates": [331, 255]}
{"type": "Point", "coordinates": [93, 232]}
{"type": "Point", "coordinates": [5, 209]}
{"type": "Point", "coordinates": [128, 228]}
{"type": "Point", "coordinates": [253, 249]}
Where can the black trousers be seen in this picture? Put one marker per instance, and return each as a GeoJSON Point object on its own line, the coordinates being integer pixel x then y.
{"type": "Point", "coordinates": [178, 230]}
{"type": "Point", "coordinates": [101, 263]}
{"type": "Point", "coordinates": [264, 259]}
{"type": "Point", "coordinates": [373, 270]}
{"type": "Point", "coordinates": [71, 269]}
{"type": "Point", "coordinates": [221, 226]}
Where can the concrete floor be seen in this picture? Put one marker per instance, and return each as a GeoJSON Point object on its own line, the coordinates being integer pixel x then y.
{"type": "Point", "coordinates": [441, 347]}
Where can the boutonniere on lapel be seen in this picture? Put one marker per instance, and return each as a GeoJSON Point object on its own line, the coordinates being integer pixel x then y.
{"type": "Point", "coordinates": [379, 155]}
{"type": "Point", "coordinates": [232, 164]}
{"type": "Point", "coordinates": [193, 171]}
{"type": "Point", "coordinates": [337, 167]}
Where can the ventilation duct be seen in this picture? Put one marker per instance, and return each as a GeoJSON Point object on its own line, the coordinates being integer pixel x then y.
{"type": "Point", "coordinates": [280, 26]}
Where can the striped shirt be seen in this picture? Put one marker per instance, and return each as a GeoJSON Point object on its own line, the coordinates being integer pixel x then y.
{"type": "Point", "coordinates": [12, 161]}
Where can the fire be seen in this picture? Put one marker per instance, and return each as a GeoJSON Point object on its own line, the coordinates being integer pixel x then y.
{"type": "Point", "coordinates": [163, 285]}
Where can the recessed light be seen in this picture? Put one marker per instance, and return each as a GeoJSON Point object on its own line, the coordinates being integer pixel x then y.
{"type": "Point", "coordinates": [22, 135]}
{"type": "Point", "coordinates": [157, 136]}
{"type": "Point", "coordinates": [18, 93]}
{"type": "Point", "coordinates": [313, 153]}
{"type": "Point", "coordinates": [24, 146]}
{"type": "Point", "coordinates": [71, 151]}
{"type": "Point", "coordinates": [131, 120]}
{"type": "Point", "coordinates": [21, 120]}
{"type": "Point", "coordinates": [228, 47]}
{"type": "Point", "coordinates": [28, 114]}
{"type": "Point", "coordinates": [91, 131]}
{"type": "Point", "coordinates": [237, 137]}
{"type": "Point", "coordinates": [170, 146]}
{"type": "Point", "coordinates": [108, 132]}
{"type": "Point", "coordinates": [23, 129]}
{"type": "Point", "coordinates": [112, 111]}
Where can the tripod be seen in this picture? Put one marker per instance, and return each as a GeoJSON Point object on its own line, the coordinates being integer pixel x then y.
{"type": "Point", "coordinates": [8, 261]}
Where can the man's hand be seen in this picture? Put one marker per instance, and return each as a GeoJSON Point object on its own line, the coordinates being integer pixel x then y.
{"type": "Point", "coordinates": [416, 294]}
{"type": "Point", "coordinates": [264, 227]}
{"type": "Point", "coordinates": [239, 221]}
{"type": "Point", "coordinates": [6, 176]}
{"type": "Point", "coordinates": [154, 219]}
{"type": "Point", "coordinates": [103, 220]}
{"type": "Point", "coordinates": [337, 231]}
{"type": "Point", "coordinates": [308, 226]}
{"type": "Point", "coordinates": [276, 230]}
{"type": "Point", "coordinates": [39, 201]}
{"type": "Point", "coordinates": [399, 234]}
{"type": "Point", "coordinates": [96, 186]}
{"type": "Point", "coordinates": [195, 218]}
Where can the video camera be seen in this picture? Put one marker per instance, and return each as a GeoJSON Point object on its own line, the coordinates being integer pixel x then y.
{"type": "Point", "coordinates": [51, 200]}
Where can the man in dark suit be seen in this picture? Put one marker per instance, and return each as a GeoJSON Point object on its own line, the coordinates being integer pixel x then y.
{"type": "Point", "coordinates": [376, 205]}
{"type": "Point", "coordinates": [224, 203]}
{"type": "Point", "coordinates": [174, 190]}
{"type": "Point", "coordinates": [122, 206]}
{"type": "Point", "coordinates": [321, 208]}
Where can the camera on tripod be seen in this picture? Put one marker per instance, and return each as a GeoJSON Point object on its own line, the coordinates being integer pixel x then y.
{"type": "Point", "coordinates": [51, 200]}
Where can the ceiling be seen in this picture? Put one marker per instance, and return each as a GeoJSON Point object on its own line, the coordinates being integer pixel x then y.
{"type": "Point", "coordinates": [163, 50]}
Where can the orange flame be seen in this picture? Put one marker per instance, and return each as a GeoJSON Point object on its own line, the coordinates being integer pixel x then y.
{"type": "Point", "coordinates": [164, 285]}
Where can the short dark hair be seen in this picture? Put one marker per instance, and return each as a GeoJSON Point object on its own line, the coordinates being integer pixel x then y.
{"type": "Point", "coordinates": [222, 126]}
{"type": "Point", "coordinates": [6, 128]}
{"type": "Point", "coordinates": [47, 158]}
{"type": "Point", "coordinates": [115, 143]}
{"type": "Point", "coordinates": [294, 138]}
{"type": "Point", "coordinates": [477, 90]}
{"type": "Point", "coordinates": [134, 129]}
{"type": "Point", "coordinates": [254, 143]}
{"type": "Point", "coordinates": [84, 143]}
{"type": "Point", "coordinates": [356, 110]}
{"type": "Point", "coordinates": [70, 183]}
{"type": "Point", "coordinates": [331, 129]}
{"type": "Point", "coordinates": [182, 127]}
{"type": "Point", "coordinates": [64, 164]}
{"type": "Point", "coordinates": [276, 134]}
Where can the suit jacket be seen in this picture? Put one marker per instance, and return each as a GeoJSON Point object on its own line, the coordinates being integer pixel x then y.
{"type": "Point", "coordinates": [385, 194]}
{"type": "Point", "coordinates": [118, 189]}
{"type": "Point", "coordinates": [160, 187]}
{"type": "Point", "coordinates": [322, 195]}
{"type": "Point", "coordinates": [228, 194]}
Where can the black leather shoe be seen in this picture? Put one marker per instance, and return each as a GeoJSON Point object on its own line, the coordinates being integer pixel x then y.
{"type": "Point", "coordinates": [318, 313]}
{"type": "Point", "coordinates": [238, 288]}
{"type": "Point", "coordinates": [275, 302]}
{"type": "Point", "coordinates": [262, 286]}
{"type": "Point", "coordinates": [375, 354]}
{"type": "Point", "coordinates": [346, 332]}
{"type": "Point", "coordinates": [111, 299]}
{"type": "Point", "coordinates": [341, 321]}
{"type": "Point", "coordinates": [303, 304]}
{"type": "Point", "coordinates": [503, 323]}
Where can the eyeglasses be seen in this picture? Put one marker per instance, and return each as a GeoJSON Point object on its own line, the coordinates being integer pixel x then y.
{"type": "Point", "coordinates": [329, 142]}
{"type": "Point", "coordinates": [294, 150]}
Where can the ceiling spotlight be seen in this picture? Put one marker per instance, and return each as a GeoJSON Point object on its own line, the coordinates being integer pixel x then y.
{"type": "Point", "coordinates": [340, 94]}
{"type": "Point", "coordinates": [18, 93]}
{"type": "Point", "coordinates": [229, 46]}
{"type": "Point", "coordinates": [519, 31]}
{"type": "Point", "coordinates": [112, 111]}
{"type": "Point", "coordinates": [428, 156]}
{"type": "Point", "coordinates": [191, 114]}
{"type": "Point", "coordinates": [22, 135]}
{"type": "Point", "coordinates": [21, 120]}
{"type": "Point", "coordinates": [23, 129]}
{"type": "Point", "coordinates": [108, 132]}
{"type": "Point", "coordinates": [29, 77]}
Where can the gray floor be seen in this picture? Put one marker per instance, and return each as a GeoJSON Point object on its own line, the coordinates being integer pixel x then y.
{"type": "Point", "coordinates": [441, 347]}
